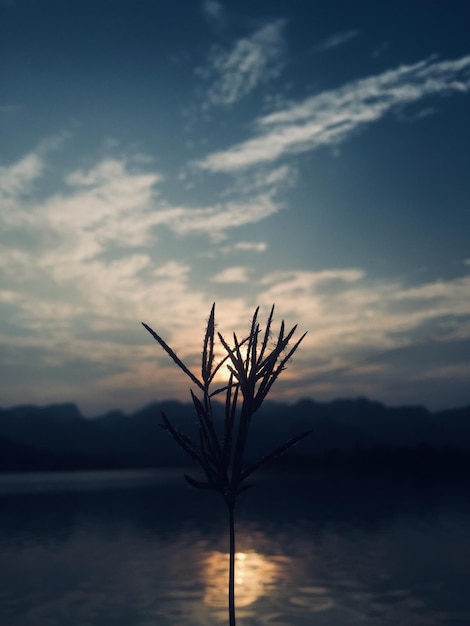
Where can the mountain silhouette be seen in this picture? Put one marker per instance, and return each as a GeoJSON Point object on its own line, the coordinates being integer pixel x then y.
{"type": "Point", "coordinates": [59, 437]}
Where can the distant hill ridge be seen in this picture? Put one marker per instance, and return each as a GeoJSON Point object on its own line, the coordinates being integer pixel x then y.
{"type": "Point", "coordinates": [59, 437]}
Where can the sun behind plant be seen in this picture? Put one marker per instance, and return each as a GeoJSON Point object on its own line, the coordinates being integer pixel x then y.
{"type": "Point", "coordinates": [254, 367]}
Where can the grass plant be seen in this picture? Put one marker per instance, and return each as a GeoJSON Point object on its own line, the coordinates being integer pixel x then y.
{"type": "Point", "coordinates": [254, 363]}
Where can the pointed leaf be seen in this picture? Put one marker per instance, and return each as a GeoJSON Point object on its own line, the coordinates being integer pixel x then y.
{"type": "Point", "coordinates": [273, 455]}
{"type": "Point", "coordinates": [189, 446]}
{"type": "Point", "coordinates": [208, 347]}
{"type": "Point", "coordinates": [173, 355]}
{"type": "Point", "coordinates": [267, 333]}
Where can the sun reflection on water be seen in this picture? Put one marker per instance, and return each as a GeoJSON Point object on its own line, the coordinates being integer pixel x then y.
{"type": "Point", "coordinates": [254, 574]}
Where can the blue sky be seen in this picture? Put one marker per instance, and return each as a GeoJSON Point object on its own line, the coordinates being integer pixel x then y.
{"type": "Point", "coordinates": [156, 157]}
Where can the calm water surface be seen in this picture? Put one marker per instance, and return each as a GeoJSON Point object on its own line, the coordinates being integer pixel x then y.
{"type": "Point", "coordinates": [142, 549]}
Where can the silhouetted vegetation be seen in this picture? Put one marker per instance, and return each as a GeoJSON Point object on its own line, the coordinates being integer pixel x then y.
{"type": "Point", "coordinates": [254, 366]}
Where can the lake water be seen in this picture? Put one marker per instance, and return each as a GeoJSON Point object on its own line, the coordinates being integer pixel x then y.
{"type": "Point", "coordinates": [142, 549]}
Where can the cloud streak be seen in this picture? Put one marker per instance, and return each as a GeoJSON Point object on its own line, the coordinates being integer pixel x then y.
{"type": "Point", "coordinates": [233, 74]}
{"type": "Point", "coordinates": [18, 178]}
{"type": "Point", "coordinates": [212, 10]}
{"type": "Point", "coordinates": [331, 117]}
{"type": "Point", "coordinates": [113, 205]}
{"type": "Point", "coordinates": [338, 39]}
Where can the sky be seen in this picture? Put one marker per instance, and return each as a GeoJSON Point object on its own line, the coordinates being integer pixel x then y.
{"type": "Point", "coordinates": [156, 157]}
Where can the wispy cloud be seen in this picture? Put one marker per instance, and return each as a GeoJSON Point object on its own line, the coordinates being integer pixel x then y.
{"type": "Point", "coordinates": [380, 49]}
{"type": "Point", "coordinates": [271, 180]}
{"type": "Point", "coordinates": [17, 179]}
{"type": "Point", "coordinates": [213, 11]}
{"type": "Point", "coordinates": [215, 221]}
{"type": "Point", "coordinates": [247, 246]}
{"type": "Point", "coordinates": [338, 39]}
{"type": "Point", "coordinates": [244, 247]}
{"type": "Point", "coordinates": [233, 74]}
{"type": "Point", "coordinates": [113, 204]}
{"type": "Point", "coordinates": [95, 244]}
{"type": "Point", "coordinates": [232, 275]}
{"type": "Point", "coordinates": [345, 309]}
{"type": "Point", "coordinates": [330, 118]}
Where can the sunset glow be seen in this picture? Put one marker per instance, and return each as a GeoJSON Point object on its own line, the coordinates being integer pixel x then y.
{"type": "Point", "coordinates": [254, 576]}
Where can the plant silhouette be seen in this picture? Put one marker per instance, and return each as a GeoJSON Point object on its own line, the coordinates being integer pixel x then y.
{"type": "Point", "coordinates": [254, 364]}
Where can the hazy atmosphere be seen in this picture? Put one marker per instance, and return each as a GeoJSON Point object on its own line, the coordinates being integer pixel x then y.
{"type": "Point", "coordinates": [158, 157]}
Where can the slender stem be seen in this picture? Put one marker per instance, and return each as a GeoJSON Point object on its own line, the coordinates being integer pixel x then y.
{"type": "Point", "coordinates": [231, 577]}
